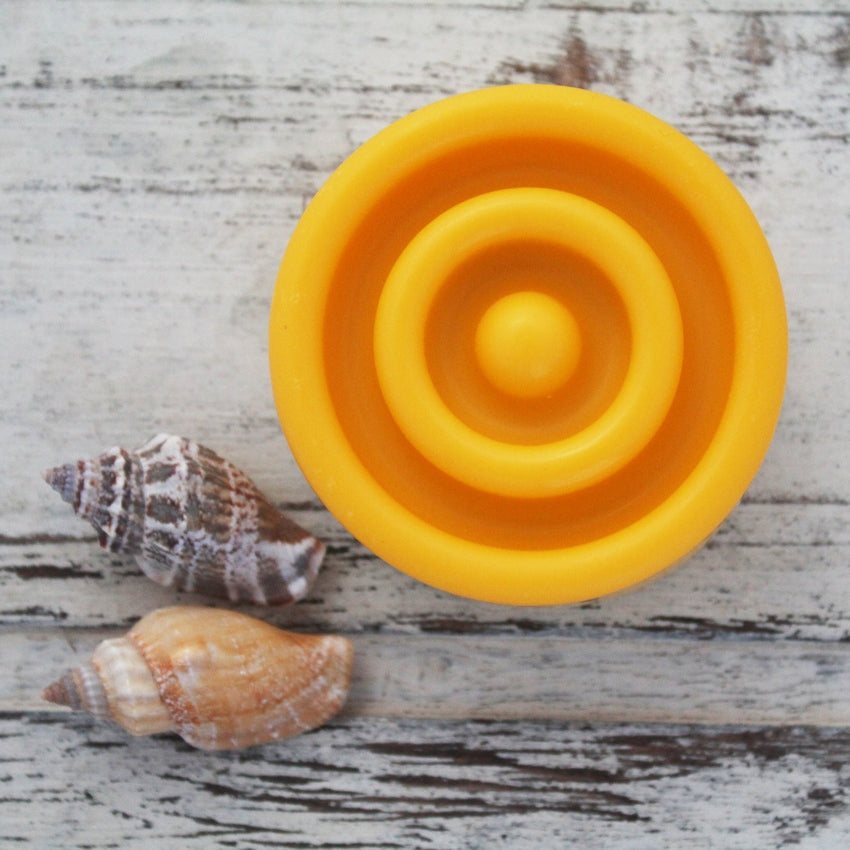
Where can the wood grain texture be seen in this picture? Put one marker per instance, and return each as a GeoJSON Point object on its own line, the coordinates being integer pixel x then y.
{"type": "Point", "coordinates": [154, 159]}
{"type": "Point", "coordinates": [500, 677]}
{"type": "Point", "coordinates": [741, 586]}
{"type": "Point", "coordinates": [374, 783]}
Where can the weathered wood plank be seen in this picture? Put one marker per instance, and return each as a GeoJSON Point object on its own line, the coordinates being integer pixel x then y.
{"type": "Point", "coordinates": [379, 783]}
{"type": "Point", "coordinates": [771, 571]}
{"type": "Point", "coordinates": [751, 76]}
{"type": "Point", "coordinates": [503, 677]}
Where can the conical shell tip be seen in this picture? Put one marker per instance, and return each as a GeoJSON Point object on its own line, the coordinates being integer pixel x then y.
{"type": "Point", "coordinates": [62, 480]}
{"type": "Point", "coordinates": [61, 692]}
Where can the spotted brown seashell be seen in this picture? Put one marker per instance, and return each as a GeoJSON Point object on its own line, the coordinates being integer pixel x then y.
{"type": "Point", "coordinates": [193, 520]}
{"type": "Point", "coordinates": [219, 679]}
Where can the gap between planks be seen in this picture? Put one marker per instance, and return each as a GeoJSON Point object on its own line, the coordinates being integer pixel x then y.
{"type": "Point", "coordinates": [534, 678]}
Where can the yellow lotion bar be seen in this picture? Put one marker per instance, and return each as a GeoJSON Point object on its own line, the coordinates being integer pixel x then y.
{"type": "Point", "coordinates": [528, 344]}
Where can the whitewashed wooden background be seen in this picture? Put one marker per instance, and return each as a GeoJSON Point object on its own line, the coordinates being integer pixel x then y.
{"type": "Point", "coordinates": [154, 159]}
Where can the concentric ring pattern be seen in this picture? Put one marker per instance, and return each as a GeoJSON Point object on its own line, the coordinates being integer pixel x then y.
{"type": "Point", "coordinates": [528, 344]}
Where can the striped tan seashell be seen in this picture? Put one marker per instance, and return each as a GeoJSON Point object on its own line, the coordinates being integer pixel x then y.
{"type": "Point", "coordinates": [219, 679]}
{"type": "Point", "coordinates": [193, 520]}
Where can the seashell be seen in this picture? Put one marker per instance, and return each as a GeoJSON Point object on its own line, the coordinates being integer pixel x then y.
{"type": "Point", "coordinates": [220, 679]}
{"type": "Point", "coordinates": [193, 520]}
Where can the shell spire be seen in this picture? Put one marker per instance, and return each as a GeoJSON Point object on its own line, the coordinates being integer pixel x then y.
{"type": "Point", "coordinates": [193, 520]}
{"type": "Point", "coordinates": [63, 692]}
{"type": "Point", "coordinates": [219, 679]}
